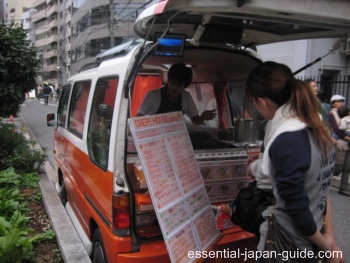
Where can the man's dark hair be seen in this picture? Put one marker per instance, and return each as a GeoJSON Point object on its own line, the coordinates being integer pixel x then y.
{"type": "Point", "coordinates": [343, 112]}
{"type": "Point", "coordinates": [322, 96]}
{"type": "Point", "coordinates": [309, 80]}
{"type": "Point", "coordinates": [180, 74]}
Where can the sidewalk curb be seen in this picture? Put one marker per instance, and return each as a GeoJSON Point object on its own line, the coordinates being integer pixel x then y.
{"type": "Point", "coordinates": [70, 245]}
{"type": "Point", "coordinates": [68, 240]}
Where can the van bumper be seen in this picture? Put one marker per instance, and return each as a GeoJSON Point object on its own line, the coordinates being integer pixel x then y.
{"type": "Point", "coordinates": [233, 240]}
{"type": "Point", "coordinates": [153, 252]}
{"type": "Point", "coordinates": [236, 241]}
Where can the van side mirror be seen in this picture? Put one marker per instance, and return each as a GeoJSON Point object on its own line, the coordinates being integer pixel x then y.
{"type": "Point", "coordinates": [51, 119]}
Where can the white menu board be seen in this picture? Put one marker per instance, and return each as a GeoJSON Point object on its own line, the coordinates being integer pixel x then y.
{"type": "Point", "coordinates": [175, 184]}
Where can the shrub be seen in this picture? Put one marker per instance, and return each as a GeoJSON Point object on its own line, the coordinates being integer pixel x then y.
{"type": "Point", "coordinates": [10, 177]}
{"type": "Point", "coordinates": [16, 243]}
{"type": "Point", "coordinates": [18, 152]}
{"type": "Point", "coordinates": [18, 65]}
{"type": "Point", "coordinates": [27, 159]}
{"type": "Point", "coordinates": [10, 201]}
{"type": "Point", "coordinates": [16, 239]}
{"type": "Point", "coordinates": [9, 140]}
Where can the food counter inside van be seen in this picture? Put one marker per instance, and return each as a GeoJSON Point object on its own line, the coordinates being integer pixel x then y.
{"type": "Point", "coordinates": [221, 153]}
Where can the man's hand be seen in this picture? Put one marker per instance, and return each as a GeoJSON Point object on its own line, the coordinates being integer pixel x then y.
{"type": "Point", "coordinates": [208, 115]}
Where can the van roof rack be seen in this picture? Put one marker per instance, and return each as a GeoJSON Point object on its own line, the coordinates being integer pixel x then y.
{"type": "Point", "coordinates": [117, 51]}
{"type": "Point", "coordinates": [89, 66]}
{"type": "Point", "coordinates": [113, 52]}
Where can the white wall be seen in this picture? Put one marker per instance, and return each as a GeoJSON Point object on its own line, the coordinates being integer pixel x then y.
{"type": "Point", "coordinates": [291, 53]}
{"type": "Point", "coordinates": [296, 54]}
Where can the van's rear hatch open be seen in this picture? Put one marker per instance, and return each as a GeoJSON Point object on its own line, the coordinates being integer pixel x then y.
{"type": "Point", "coordinates": [247, 23]}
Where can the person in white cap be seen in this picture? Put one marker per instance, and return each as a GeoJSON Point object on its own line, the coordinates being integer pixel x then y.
{"type": "Point", "coordinates": [342, 164]}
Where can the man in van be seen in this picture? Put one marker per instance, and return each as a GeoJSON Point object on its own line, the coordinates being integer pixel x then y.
{"type": "Point", "coordinates": [173, 97]}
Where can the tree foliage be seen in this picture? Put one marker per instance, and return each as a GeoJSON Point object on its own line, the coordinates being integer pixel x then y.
{"type": "Point", "coordinates": [18, 66]}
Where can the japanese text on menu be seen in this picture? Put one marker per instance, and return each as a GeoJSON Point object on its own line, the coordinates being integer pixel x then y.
{"type": "Point", "coordinates": [175, 183]}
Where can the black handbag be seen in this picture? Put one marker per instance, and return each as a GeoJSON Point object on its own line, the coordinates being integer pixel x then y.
{"type": "Point", "coordinates": [249, 205]}
{"type": "Point", "coordinates": [281, 246]}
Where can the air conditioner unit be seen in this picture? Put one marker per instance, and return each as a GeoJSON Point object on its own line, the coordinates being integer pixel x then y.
{"type": "Point", "coordinates": [346, 47]}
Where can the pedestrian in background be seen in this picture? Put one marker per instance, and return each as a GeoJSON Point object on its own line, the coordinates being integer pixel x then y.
{"type": "Point", "coordinates": [342, 165]}
{"type": "Point", "coordinates": [322, 108]}
{"type": "Point", "coordinates": [38, 91]}
{"type": "Point", "coordinates": [58, 92]}
{"type": "Point", "coordinates": [313, 86]}
{"type": "Point", "coordinates": [322, 96]}
{"type": "Point", "coordinates": [46, 93]}
{"type": "Point", "coordinates": [344, 124]}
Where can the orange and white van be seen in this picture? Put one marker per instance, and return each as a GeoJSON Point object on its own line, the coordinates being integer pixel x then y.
{"type": "Point", "coordinates": [101, 179]}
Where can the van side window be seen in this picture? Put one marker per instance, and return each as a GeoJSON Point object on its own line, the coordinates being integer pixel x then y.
{"type": "Point", "coordinates": [77, 109]}
{"type": "Point", "coordinates": [99, 131]}
{"type": "Point", "coordinates": [63, 105]}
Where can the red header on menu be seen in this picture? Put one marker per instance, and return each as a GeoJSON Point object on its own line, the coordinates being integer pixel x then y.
{"type": "Point", "coordinates": [149, 121]}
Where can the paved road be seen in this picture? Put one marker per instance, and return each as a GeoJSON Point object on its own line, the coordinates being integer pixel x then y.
{"type": "Point", "coordinates": [34, 113]}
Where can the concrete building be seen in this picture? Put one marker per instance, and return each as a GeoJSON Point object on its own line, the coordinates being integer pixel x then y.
{"type": "Point", "coordinates": [95, 26]}
{"type": "Point", "coordinates": [15, 10]}
{"type": "Point", "coordinates": [28, 25]}
{"type": "Point", "coordinates": [70, 33]}
{"type": "Point", "coordinates": [45, 24]}
{"type": "Point", "coordinates": [3, 8]}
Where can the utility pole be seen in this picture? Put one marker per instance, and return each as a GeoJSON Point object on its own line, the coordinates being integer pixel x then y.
{"type": "Point", "coordinates": [111, 21]}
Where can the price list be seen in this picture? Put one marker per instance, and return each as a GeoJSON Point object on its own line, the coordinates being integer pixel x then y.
{"type": "Point", "coordinates": [182, 151]}
{"type": "Point", "coordinates": [180, 243]}
{"type": "Point", "coordinates": [206, 228]}
{"type": "Point", "coordinates": [175, 184]}
{"type": "Point", "coordinates": [160, 171]}
{"type": "Point", "coordinates": [173, 218]}
{"type": "Point", "coordinates": [197, 201]}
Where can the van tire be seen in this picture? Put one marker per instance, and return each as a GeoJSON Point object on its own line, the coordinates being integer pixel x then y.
{"type": "Point", "coordinates": [98, 250]}
{"type": "Point", "coordinates": [63, 194]}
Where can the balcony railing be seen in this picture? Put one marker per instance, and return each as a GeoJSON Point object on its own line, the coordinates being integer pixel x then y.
{"type": "Point", "coordinates": [39, 15]}
{"type": "Point", "coordinates": [68, 32]}
{"type": "Point", "coordinates": [51, 67]}
{"type": "Point", "coordinates": [68, 18]}
{"type": "Point", "coordinates": [53, 38]}
{"type": "Point", "coordinates": [68, 3]}
{"type": "Point", "coordinates": [51, 10]}
{"type": "Point", "coordinates": [49, 54]}
{"type": "Point", "coordinates": [53, 23]}
{"type": "Point", "coordinates": [38, 2]}
{"type": "Point", "coordinates": [40, 30]}
{"type": "Point", "coordinates": [40, 43]}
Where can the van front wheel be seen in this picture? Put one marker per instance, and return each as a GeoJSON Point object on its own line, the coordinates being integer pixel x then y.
{"type": "Point", "coordinates": [98, 250]}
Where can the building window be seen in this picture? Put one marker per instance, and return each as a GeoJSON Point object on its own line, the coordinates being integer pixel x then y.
{"type": "Point", "coordinates": [100, 15]}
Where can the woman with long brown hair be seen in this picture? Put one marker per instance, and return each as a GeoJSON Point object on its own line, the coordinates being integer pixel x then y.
{"type": "Point", "coordinates": [298, 156]}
